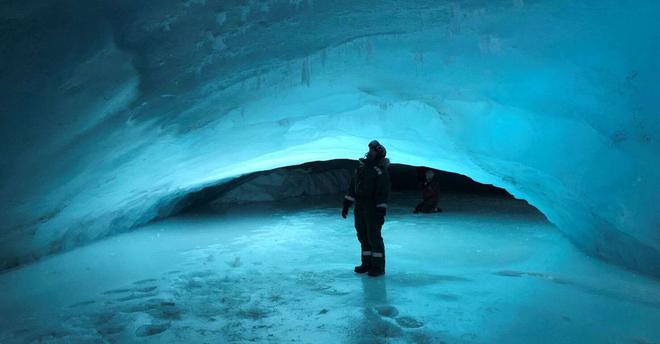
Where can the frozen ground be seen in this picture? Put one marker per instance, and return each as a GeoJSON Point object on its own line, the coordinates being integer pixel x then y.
{"type": "Point", "coordinates": [487, 270]}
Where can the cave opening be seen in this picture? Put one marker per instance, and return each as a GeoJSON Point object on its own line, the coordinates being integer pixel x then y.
{"type": "Point", "coordinates": [266, 255]}
{"type": "Point", "coordinates": [325, 180]}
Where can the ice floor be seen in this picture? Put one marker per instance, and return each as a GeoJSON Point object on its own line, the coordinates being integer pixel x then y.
{"type": "Point", "coordinates": [487, 270]}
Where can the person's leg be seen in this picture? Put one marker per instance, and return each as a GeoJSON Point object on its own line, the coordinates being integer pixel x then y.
{"type": "Point", "coordinates": [374, 227]}
{"type": "Point", "coordinates": [427, 206]}
{"type": "Point", "coordinates": [431, 205]}
{"type": "Point", "coordinates": [361, 229]}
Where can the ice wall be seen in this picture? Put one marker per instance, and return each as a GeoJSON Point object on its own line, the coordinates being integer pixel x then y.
{"type": "Point", "coordinates": [113, 109]}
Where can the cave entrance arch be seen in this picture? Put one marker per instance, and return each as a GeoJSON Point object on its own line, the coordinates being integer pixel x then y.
{"type": "Point", "coordinates": [327, 180]}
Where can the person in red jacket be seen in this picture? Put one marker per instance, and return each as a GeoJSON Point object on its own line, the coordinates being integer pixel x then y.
{"type": "Point", "coordinates": [430, 195]}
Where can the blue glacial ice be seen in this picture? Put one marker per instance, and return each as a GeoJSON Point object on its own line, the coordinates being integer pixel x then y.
{"type": "Point", "coordinates": [113, 111]}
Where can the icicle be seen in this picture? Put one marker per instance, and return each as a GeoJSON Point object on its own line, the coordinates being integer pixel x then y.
{"type": "Point", "coordinates": [305, 73]}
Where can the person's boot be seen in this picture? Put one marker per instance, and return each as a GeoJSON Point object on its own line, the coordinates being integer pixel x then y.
{"type": "Point", "coordinates": [366, 263]}
{"type": "Point", "coordinates": [377, 264]}
{"type": "Point", "coordinates": [375, 272]}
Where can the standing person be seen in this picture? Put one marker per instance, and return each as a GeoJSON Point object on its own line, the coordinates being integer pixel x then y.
{"type": "Point", "coordinates": [369, 190]}
{"type": "Point", "coordinates": [430, 195]}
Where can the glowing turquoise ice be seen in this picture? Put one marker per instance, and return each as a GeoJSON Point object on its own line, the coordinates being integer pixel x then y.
{"type": "Point", "coordinates": [556, 101]}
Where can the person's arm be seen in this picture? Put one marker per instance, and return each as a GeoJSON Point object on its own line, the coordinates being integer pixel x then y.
{"type": "Point", "coordinates": [349, 198]}
{"type": "Point", "coordinates": [382, 191]}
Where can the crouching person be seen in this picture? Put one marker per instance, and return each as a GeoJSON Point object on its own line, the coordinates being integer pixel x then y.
{"type": "Point", "coordinates": [430, 195]}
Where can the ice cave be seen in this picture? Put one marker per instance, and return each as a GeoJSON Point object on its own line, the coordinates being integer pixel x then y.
{"type": "Point", "coordinates": [175, 171]}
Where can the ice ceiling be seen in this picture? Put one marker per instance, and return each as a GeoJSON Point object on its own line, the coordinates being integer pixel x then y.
{"type": "Point", "coordinates": [112, 109]}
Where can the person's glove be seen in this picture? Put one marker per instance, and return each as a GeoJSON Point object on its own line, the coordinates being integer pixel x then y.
{"type": "Point", "coordinates": [347, 205]}
{"type": "Point", "coordinates": [380, 215]}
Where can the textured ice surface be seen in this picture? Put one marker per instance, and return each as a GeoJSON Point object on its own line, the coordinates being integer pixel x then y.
{"type": "Point", "coordinates": [110, 109]}
{"type": "Point", "coordinates": [487, 270]}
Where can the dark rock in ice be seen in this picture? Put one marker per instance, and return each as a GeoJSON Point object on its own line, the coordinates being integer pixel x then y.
{"type": "Point", "coordinates": [167, 310]}
{"type": "Point", "coordinates": [145, 281]}
{"type": "Point", "coordinates": [135, 297]}
{"type": "Point", "coordinates": [152, 329]}
{"type": "Point", "coordinates": [146, 289]}
{"type": "Point", "coordinates": [110, 330]}
{"type": "Point", "coordinates": [83, 303]}
{"type": "Point", "coordinates": [117, 291]}
{"type": "Point", "coordinates": [409, 322]}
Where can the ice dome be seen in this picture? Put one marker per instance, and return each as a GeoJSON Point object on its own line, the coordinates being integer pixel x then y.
{"type": "Point", "coordinates": [112, 110]}
{"type": "Point", "coordinates": [170, 170]}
